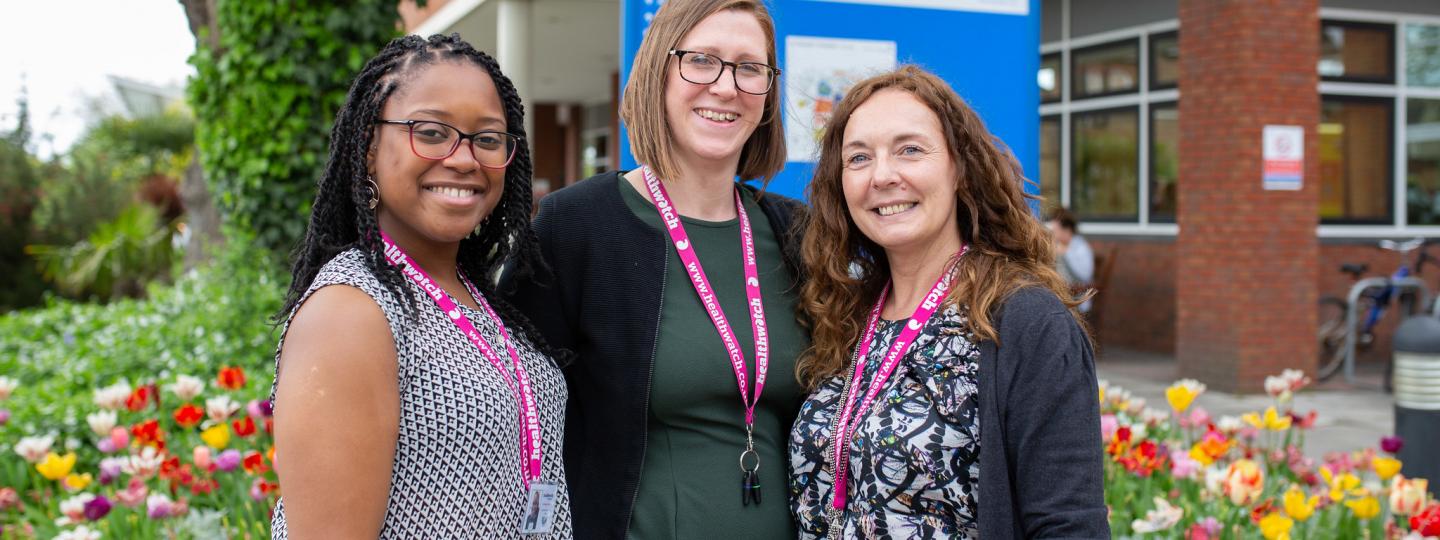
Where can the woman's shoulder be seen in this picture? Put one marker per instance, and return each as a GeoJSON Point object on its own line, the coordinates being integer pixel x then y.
{"type": "Point", "coordinates": [585, 193]}
{"type": "Point", "coordinates": [1026, 305]}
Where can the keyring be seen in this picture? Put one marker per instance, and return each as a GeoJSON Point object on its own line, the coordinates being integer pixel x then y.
{"type": "Point", "coordinates": [752, 453]}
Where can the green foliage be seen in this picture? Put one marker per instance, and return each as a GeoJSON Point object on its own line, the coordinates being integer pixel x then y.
{"type": "Point", "coordinates": [20, 284]}
{"type": "Point", "coordinates": [214, 316]}
{"type": "Point", "coordinates": [98, 178]}
{"type": "Point", "coordinates": [117, 260]}
{"type": "Point", "coordinates": [266, 99]}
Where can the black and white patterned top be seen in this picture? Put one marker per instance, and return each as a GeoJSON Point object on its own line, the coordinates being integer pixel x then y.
{"type": "Point", "coordinates": [915, 459]}
{"type": "Point", "coordinates": [457, 458]}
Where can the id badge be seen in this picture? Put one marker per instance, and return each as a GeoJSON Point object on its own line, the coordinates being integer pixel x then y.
{"type": "Point", "coordinates": [539, 515]}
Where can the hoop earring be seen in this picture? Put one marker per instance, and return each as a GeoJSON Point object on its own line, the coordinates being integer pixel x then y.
{"type": "Point", "coordinates": [374, 193]}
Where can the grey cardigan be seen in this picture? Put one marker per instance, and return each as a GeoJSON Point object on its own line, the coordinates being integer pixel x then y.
{"type": "Point", "coordinates": [1039, 400]}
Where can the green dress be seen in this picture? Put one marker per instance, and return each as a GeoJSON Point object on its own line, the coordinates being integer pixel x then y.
{"type": "Point", "coordinates": [690, 480]}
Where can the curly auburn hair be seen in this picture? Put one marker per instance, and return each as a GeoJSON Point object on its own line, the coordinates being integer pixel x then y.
{"type": "Point", "coordinates": [1008, 248]}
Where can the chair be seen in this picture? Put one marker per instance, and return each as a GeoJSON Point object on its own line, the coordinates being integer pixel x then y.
{"type": "Point", "coordinates": [1104, 266]}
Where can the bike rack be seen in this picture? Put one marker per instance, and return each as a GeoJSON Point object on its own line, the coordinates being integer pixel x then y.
{"type": "Point", "coordinates": [1400, 284]}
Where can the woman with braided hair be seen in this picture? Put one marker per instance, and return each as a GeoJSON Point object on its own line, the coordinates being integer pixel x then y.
{"type": "Point", "coordinates": [410, 400]}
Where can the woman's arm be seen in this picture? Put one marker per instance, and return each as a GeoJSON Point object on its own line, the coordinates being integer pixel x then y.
{"type": "Point", "coordinates": [337, 412]}
{"type": "Point", "coordinates": [1052, 429]}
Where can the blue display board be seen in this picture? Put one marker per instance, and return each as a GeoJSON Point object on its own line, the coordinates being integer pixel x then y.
{"type": "Point", "coordinates": [988, 50]}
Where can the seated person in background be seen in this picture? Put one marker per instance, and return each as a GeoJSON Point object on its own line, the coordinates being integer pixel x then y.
{"type": "Point", "coordinates": [1073, 256]}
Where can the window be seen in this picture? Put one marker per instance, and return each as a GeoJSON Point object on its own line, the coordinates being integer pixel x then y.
{"type": "Point", "coordinates": [1164, 61]}
{"type": "Point", "coordinates": [1105, 164]}
{"type": "Point", "coordinates": [1422, 55]}
{"type": "Point", "coordinates": [1050, 163]}
{"type": "Point", "coordinates": [1105, 69]}
{"type": "Point", "coordinates": [1049, 78]}
{"type": "Point", "coordinates": [1357, 52]}
{"type": "Point", "coordinates": [1422, 154]}
{"type": "Point", "coordinates": [1355, 138]}
{"type": "Point", "coordinates": [1164, 160]}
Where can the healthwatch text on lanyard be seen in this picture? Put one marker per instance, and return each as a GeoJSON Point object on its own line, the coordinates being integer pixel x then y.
{"type": "Point", "coordinates": [848, 422]}
{"type": "Point", "coordinates": [540, 495]}
{"type": "Point", "coordinates": [749, 480]}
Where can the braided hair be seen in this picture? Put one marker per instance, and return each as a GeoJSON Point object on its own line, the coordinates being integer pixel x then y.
{"type": "Point", "coordinates": [340, 218]}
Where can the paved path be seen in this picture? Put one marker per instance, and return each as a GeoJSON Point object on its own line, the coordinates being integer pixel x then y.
{"type": "Point", "coordinates": [1350, 417]}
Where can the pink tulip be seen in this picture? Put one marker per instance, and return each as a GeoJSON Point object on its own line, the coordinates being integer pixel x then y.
{"type": "Point", "coordinates": [228, 460]}
{"type": "Point", "coordinates": [1391, 445]}
{"type": "Point", "coordinates": [1108, 426]}
{"type": "Point", "coordinates": [119, 437]}
{"type": "Point", "coordinates": [1197, 417]}
{"type": "Point", "coordinates": [202, 457]}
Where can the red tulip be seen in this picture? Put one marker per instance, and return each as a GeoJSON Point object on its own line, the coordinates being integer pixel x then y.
{"type": "Point", "coordinates": [244, 427]}
{"type": "Point", "coordinates": [231, 378]}
{"type": "Point", "coordinates": [189, 416]}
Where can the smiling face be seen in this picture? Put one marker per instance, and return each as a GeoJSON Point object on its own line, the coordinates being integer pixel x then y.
{"type": "Point", "coordinates": [711, 122]}
{"type": "Point", "coordinates": [899, 177]}
{"type": "Point", "coordinates": [437, 201]}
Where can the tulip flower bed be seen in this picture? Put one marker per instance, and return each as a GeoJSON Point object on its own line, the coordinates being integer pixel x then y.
{"type": "Point", "coordinates": [1179, 473]}
{"type": "Point", "coordinates": [142, 419]}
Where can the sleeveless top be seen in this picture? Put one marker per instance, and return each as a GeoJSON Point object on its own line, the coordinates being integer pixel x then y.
{"type": "Point", "coordinates": [915, 459]}
{"type": "Point", "coordinates": [456, 472]}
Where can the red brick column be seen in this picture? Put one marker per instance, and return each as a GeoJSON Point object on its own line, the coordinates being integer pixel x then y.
{"type": "Point", "coordinates": [1246, 258]}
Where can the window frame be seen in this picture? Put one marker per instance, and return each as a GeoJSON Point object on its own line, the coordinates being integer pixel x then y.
{"type": "Point", "coordinates": [1059, 77]}
{"type": "Point", "coordinates": [1074, 130]}
{"type": "Point", "coordinates": [1390, 56]}
{"type": "Point", "coordinates": [1389, 159]}
{"type": "Point", "coordinates": [1150, 175]}
{"type": "Point", "coordinates": [1150, 44]}
{"type": "Point", "coordinates": [1077, 95]}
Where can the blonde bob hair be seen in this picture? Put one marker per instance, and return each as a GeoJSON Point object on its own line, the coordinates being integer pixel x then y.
{"type": "Point", "coordinates": [642, 107]}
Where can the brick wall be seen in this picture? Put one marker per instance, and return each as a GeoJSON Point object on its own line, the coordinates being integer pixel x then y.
{"type": "Point", "coordinates": [1245, 257]}
{"type": "Point", "coordinates": [1136, 308]}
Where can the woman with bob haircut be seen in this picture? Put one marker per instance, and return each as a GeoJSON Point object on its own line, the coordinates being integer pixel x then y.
{"type": "Point", "coordinates": [951, 379]}
{"type": "Point", "coordinates": [676, 288]}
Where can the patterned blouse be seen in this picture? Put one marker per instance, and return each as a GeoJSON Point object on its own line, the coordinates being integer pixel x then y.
{"type": "Point", "coordinates": [915, 459]}
{"type": "Point", "coordinates": [456, 472]}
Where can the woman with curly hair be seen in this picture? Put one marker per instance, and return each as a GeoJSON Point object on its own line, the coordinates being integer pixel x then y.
{"type": "Point", "coordinates": [953, 389]}
{"type": "Point", "coordinates": [410, 400]}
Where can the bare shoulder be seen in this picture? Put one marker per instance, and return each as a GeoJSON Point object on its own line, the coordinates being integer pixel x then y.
{"type": "Point", "coordinates": [341, 330]}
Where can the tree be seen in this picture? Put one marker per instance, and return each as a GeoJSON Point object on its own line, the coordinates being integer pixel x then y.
{"type": "Point", "coordinates": [269, 80]}
{"type": "Point", "coordinates": [20, 284]}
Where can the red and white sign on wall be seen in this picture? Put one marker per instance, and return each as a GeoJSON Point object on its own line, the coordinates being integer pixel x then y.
{"type": "Point", "coordinates": [1284, 158]}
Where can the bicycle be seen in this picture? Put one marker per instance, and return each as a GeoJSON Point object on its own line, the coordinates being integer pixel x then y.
{"type": "Point", "coordinates": [1372, 300]}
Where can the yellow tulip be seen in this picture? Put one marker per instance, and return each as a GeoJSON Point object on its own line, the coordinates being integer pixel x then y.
{"type": "Point", "coordinates": [1364, 508]}
{"type": "Point", "coordinates": [1275, 422]}
{"type": "Point", "coordinates": [1385, 467]}
{"type": "Point", "coordinates": [217, 436]}
{"type": "Point", "coordinates": [1297, 505]}
{"type": "Point", "coordinates": [1339, 484]}
{"type": "Point", "coordinates": [1183, 393]}
{"type": "Point", "coordinates": [1407, 496]}
{"type": "Point", "coordinates": [1244, 482]}
{"type": "Point", "coordinates": [55, 467]}
{"type": "Point", "coordinates": [1276, 527]}
{"type": "Point", "coordinates": [76, 482]}
{"type": "Point", "coordinates": [1253, 419]}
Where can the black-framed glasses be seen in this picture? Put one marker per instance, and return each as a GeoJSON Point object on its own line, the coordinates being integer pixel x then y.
{"type": "Point", "coordinates": [701, 68]}
{"type": "Point", "coordinates": [437, 140]}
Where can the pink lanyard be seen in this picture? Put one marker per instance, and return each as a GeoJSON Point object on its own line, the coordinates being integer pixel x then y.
{"type": "Point", "coordinates": [848, 424]}
{"type": "Point", "coordinates": [712, 304]}
{"type": "Point", "coordinates": [530, 419]}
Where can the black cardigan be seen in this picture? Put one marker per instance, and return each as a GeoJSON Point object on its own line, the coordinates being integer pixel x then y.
{"type": "Point", "coordinates": [602, 301]}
